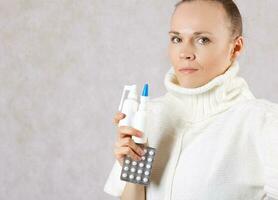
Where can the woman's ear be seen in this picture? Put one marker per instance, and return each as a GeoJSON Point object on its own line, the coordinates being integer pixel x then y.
{"type": "Point", "coordinates": [237, 48]}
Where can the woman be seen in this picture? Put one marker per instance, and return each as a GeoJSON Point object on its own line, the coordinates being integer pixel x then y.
{"type": "Point", "coordinates": [214, 139]}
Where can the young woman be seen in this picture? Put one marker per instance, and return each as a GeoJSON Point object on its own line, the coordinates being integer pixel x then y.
{"type": "Point", "coordinates": [214, 139]}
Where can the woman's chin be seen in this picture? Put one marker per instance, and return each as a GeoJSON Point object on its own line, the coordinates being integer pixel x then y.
{"type": "Point", "coordinates": [188, 85]}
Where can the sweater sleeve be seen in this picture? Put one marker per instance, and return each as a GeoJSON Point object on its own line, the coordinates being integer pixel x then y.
{"type": "Point", "coordinates": [270, 136]}
{"type": "Point", "coordinates": [114, 185]}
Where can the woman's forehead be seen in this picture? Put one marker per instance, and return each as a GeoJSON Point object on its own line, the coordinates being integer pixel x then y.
{"type": "Point", "coordinates": [200, 16]}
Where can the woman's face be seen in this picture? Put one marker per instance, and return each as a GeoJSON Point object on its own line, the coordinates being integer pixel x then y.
{"type": "Point", "coordinates": [200, 38]}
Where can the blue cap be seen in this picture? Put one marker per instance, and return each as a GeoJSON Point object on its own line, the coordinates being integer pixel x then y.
{"type": "Point", "coordinates": [145, 91]}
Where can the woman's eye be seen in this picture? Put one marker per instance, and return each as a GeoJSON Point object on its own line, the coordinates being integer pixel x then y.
{"type": "Point", "coordinates": [175, 39]}
{"type": "Point", "coordinates": [203, 40]}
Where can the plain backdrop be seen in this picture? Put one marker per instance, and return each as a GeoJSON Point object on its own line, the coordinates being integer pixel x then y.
{"type": "Point", "coordinates": [63, 65]}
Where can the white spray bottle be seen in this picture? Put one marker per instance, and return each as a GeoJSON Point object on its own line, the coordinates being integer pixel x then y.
{"type": "Point", "coordinates": [139, 120]}
{"type": "Point", "coordinates": [129, 106]}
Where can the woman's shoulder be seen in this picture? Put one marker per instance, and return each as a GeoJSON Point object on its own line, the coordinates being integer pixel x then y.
{"type": "Point", "coordinates": [270, 111]}
{"type": "Point", "coordinates": [256, 104]}
{"type": "Point", "coordinates": [265, 107]}
{"type": "Point", "coordinates": [268, 144]}
{"type": "Point", "coordinates": [271, 108]}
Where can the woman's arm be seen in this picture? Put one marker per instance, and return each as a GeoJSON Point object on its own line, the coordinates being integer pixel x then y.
{"type": "Point", "coordinates": [134, 192]}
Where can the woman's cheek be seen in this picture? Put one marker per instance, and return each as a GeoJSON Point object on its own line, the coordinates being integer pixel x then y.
{"type": "Point", "coordinates": [210, 54]}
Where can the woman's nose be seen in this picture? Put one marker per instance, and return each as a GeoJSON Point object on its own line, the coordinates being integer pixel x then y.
{"type": "Point", "coordinates": [187, 56]}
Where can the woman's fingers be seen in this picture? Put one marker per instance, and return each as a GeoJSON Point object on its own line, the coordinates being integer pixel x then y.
{"type": "Point", "coordinates": [124, 131]}
{"type": "Point", "coordinates": [130, 143]}
{"type": "Point", "coordinates": [119, 116]}
{"type": "Point", "coordinates": [122, 151]}
{"type": "Point", "coordinates": [125, 145]}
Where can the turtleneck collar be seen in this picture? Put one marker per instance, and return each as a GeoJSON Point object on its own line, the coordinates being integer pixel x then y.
{"type": "Point", "coordinates": [219, 94]}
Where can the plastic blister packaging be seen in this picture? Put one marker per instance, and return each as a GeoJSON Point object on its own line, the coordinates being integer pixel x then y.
{"type": "Point", "coordinates": [139, 172]}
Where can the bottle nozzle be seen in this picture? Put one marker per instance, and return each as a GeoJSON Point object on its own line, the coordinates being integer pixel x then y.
{"type": "Point", "coordinates": [145, 91]}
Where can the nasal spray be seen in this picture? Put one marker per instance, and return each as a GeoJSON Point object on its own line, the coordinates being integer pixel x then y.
{"type": "Point", "coordinates": [129, 106]}
{"type": "Point", "coordinates": [133, 171]}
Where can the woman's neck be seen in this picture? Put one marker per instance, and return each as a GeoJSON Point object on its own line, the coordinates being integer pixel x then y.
{"type": "Point", "coordinates": [219, 94]}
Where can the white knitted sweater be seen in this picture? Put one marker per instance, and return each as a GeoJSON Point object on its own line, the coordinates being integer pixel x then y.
{"type": "Point", "coordinates": [214, 142]}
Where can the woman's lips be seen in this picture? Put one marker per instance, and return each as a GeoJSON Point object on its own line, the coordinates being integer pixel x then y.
{"type": "Point", "coordinates": [188, 71]}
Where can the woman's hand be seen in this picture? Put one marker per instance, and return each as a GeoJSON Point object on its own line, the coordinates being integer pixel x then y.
{"type": "Point", "coordinates": [124, 144]}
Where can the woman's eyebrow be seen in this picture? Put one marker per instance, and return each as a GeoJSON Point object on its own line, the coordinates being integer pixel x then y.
{"type": "Point", "coordinates": [195, 33]}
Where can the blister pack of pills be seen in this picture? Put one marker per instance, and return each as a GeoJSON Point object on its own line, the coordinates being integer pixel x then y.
{"type": "Point", "coordinates": [138, 172]}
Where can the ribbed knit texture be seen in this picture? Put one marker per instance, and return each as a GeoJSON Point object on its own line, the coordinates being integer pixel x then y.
{"type": "Point", "coordinates": [216, 96]}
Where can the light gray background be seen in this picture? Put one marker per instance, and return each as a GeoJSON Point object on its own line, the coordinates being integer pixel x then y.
{"type": "Point", "coordinates": [63, 65]}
